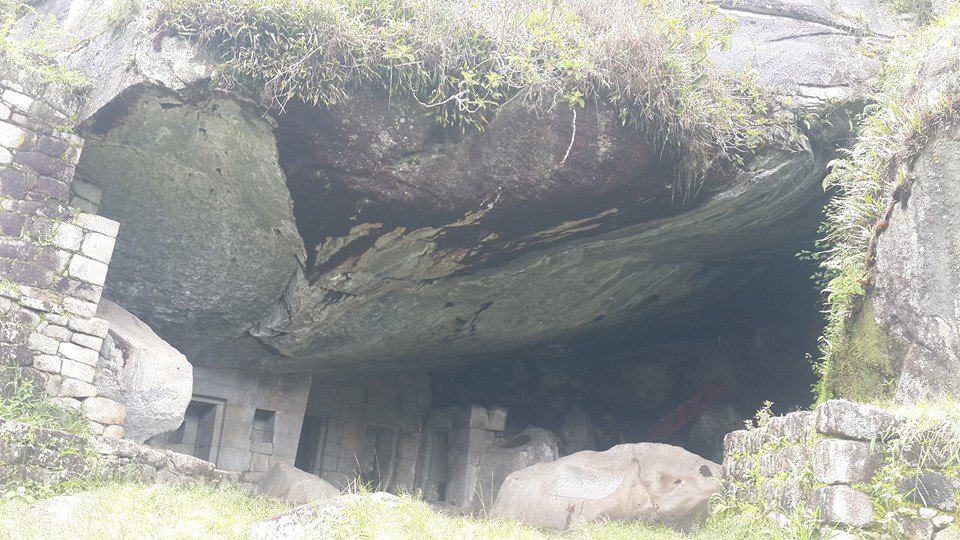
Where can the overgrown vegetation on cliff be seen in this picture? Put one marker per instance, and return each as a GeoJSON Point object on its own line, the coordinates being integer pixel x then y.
{"type": "Point", "coordinates": [33, 52]}
{"type": "Point", "coordinates": [464, 60]}
{"type": "Point", "coordinates": [917, 90]}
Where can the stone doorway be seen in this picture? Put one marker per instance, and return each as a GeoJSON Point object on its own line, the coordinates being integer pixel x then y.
{"type": "Point", "coordinates": [310, 447]}
{"type": "Point", "coordinates": [377, 456]}
{"type": "Point", "coordinates": [200, 433]}
{"type": "Point", "coordinates": [438, 474]}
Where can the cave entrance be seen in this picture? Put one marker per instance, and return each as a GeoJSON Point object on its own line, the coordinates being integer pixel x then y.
{"type": "Point", "coordinates": [686, 380]}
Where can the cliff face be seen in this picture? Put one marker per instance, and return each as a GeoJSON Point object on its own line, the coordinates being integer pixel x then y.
{"type": "Point", "coordinates": [358, 236]}
{"type": "Point", "coordinates": [917, 301]}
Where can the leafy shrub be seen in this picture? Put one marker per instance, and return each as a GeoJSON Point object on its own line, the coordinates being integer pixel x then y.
{"type": "Point", "coordinates": [34, 52]}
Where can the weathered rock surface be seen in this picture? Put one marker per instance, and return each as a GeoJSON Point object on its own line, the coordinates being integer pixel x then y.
{"type": "Point", "coordinates": [139, 369]}
{"type": "Point", "coordinates": [803, 46]}
{"type": "Point", "coordinates": [844, 505]}
{"type": "Point", "coordinates": [420, 247]}
{"type": "Point", "coordinates": [854, 420]}
{"type": "Point", "coordinates": [291, 484]}
{"type": "Point", "coordinates": [918, 279]}
{"type": "Point", "coordinates": [931, 489]}
{"type": "Point", "coordinates": [655, 483]}
{"type": "Point", "coordinates": [531, 446]}
{"type": "Point", "coordinates": [840, 461]}
{"type": "Point", "coordinates": [651, 383]}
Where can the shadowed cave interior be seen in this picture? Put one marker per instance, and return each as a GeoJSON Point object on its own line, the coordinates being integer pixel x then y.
{"type": "Point", "coordinates": [755, 346]}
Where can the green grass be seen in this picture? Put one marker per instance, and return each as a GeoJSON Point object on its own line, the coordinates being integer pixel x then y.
{"type": "Point", "coordinates": [927, 439]}
{"type": "Point", "coordinates": [411, 518]}
{"type": "Point", "coordinates": [462, 61]}
{"type": "Point", "coordinates": [121, 511]}
{"type": "Point", "coordinates": [916, 91]}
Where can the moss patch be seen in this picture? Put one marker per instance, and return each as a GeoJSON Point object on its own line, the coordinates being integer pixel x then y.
{"type": "Point", "coordinates": [863, 366]}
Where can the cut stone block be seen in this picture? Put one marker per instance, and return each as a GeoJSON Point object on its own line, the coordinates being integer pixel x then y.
{"type": "Point", "coordinates": [11, 136]}
{"type": "Point", "coordinates": [84, 340]}
{"type": "Point", "coordinates": [18, 100]}
{"type": "Point", "coordinates": [103, 410]}
{"type": "Point", "coordinates": [80, 308]}
{"type": "Point", "coordinates": [839, 461]}
{"type": "Point", "coordinates": [41, 343]}
{"type": "Point", "coordinates": [92, 326]}
{"type": "Point", "coordinates": [68, 237]}
{"type": "Point", "coordinates": [88, 270]}
{"type": "Point", "coordinates": [854, 420]}
{"type": "Point", "coordinates": [843, 505]}
{"type": "Point", "coordinates": [76, 370]}
{"type": "Point", "coordinates": [100, 224]}
{"type": "Point", "coordinates": [98, 247]}
{"type": "Point", "coordinates": [47, 362]}
{"type": "Point", "coordinates": [75, 388]}
{"type": "Point", "coordinates": [79, 354]}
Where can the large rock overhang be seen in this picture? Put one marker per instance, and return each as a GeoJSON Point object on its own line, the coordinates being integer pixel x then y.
{"type": "Point", "coordinates": [422, 249]}
{"type": "Point", "coordinates": [475, 247]}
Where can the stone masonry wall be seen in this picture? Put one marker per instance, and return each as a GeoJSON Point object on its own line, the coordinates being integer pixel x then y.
{"type": "Point", "coordinates": [354, 407]}
{"type": "Point", "coordinates": [48, 457]}
{"type": "Point", "coordinates": [467, 432]}
{"type": "Point", "coordinates": [241, 393]}
{"type": "Point", "coordinates": [53, 258]}
{"type": "Point", "coordinates": [827, 461]}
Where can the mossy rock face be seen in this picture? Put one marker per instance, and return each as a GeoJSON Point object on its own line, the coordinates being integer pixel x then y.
{"type": "Point", "coordinates": [207, 240]}
{"type": "Point", "coordinates": [864, 366]}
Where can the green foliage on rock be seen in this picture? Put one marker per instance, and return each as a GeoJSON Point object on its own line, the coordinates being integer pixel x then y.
{"type": "Point", "coordinates": [462, 61]}
{"type": "Point", "coordinates": [928, 439]}
{"type": "Point", "coordinates": [917, 90]}
{"type": "Point", "coordinates": [21, 401]}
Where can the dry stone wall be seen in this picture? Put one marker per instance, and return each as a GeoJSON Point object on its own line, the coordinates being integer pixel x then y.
{"type": "Point", "coordinates": [53, 257]}
{"type": "Point", "coordinates": [827, 463]}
